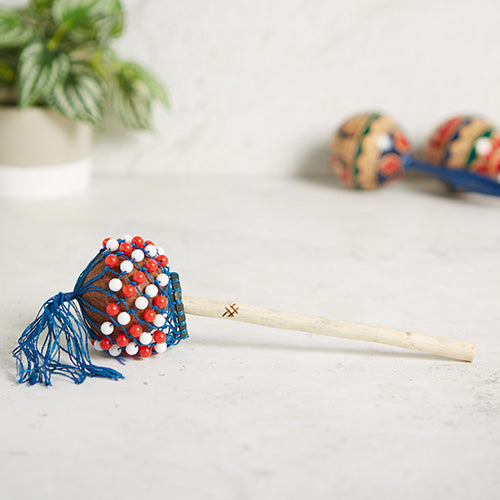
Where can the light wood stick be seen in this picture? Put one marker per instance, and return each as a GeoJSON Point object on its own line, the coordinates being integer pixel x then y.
{"type": "Point", "coordinates": [449, 348]}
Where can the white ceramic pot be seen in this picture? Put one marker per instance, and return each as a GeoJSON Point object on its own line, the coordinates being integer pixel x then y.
{"type": "Point", "coordinates": [43, 154]}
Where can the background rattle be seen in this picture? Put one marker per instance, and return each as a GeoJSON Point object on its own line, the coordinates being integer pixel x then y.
{"type": "Point", "coordinates": [128, 302]}
{"type": "Point", "coordinates": [370, 150]}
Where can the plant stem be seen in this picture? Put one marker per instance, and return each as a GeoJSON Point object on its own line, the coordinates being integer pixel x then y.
{"type": "Point", "coordinates": [57, 36]}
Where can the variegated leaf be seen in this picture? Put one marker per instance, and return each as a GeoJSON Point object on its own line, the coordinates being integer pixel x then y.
{"type": "Point", "coordinates": [131, 105]}
{"type": "Point", "coordinates": [80, 97]}
{"type": "Point", "coordinates": [41, 5]}
{"type": "Point", "coordinates": [64, 10]}
{"type": "Point", "coordinates": [39, 72]}
{"type": "Point", "coordinates": [101, 19]}
{"type": "Point", "coordinates": [13, 32]}
{"type": "Point", "coordinates": [140, 75]}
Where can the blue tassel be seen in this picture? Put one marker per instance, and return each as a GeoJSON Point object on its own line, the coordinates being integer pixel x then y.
{"type": "Point", "coordinates": [39, 356]}
{"type": "Point", "coordinates": [461, 179]}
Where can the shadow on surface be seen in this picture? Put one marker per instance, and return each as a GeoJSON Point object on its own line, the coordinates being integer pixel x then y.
{"type": "Point", "coordinates": [391, 352]}
{"type": "Point", "coordinates": [315, 167]}
{"type": "Point", "coordinates": [430, 186]}
{"type": "Point", "coordinates": [7, 361]}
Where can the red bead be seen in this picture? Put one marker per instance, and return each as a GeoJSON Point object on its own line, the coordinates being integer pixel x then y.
{"type": "Point", "coordinates": [111, 260]}
{"type": "Point", "coordinates": [160, 301]}
{"type": "Point", "coordinates": [92, 341]}
{"type": "Point", "coordinates": [162, 260]}
{"type": "Point", "coordinates": [159, 336]}
{"type": "Point", "coordinates": [128, 290]}
{"type": "Point", "coordinates": [144, 351]}
{"type": "Point", "coordinates": [122, 340]}
{"type": "Point", "coordinates": [126, 248]}
{"type": "Point", "coordinates": [148, 242]}
{"type": "Point", "coordinates": [138, 241]}
{"type": "Point", "coordinates": [112, 309]}
{"type": "Point", "coordinates": [105, 344]}
{"type": "Point", "coordinates": [138, 277]}
{"type": "Point", "coordinates": [104, 241]}
{"type": "Point", "coordinates": [135, 330]}
{"type": "Point", "coordinates": [149, 315]}
{"type": "Point", "coordinates": [151, 266]}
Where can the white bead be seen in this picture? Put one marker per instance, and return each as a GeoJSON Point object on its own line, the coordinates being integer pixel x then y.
{"type": "Point", "coordinates": [127, 238]}
{"type": "Point", "coordinates": [151, 290]}
{"type": "Point", "coordinates": [137, 255]}
{"type": "Point", "coordinates": [146, 338]}
{"type": "Point", "coordinates": [123, 318]}
{"type": "Point", "coordinates": [162, 279]}
{"type": "Point", "coordinates": [141, 302]}
{"type": "Point", "coordinates": [161, 347]}
{"type": "Point", "coordinates": [160, 251]}
{"type": "Point", "coordinates": [107, 328]}
{"type": "Point", "coordinates": [384, 142]}
{"type": "Point", "coordinates": [132, 348]}
{"type": "Point", "coordinates": [483, 146]}
{"type": "Point", "coordinates": [115, 285]}
{"type": "Point", "coordinates": [151, 250]}
{"type": "Point", "coordinates": [114, 350]}
{"type": "Point", "coordinates": [126, 266]}
{"type": "Point", "coordinates": [112, 244]}
{"type": "Point", "coordinates": [159, 321]}
{"type": "Point", "coordinates": [97, 345]}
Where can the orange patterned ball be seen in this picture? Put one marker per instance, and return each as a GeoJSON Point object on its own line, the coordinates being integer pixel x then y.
{"type": "Point", "coordinates": [368, 151]}
{"type": "Point", "coordinates": [466, 143]}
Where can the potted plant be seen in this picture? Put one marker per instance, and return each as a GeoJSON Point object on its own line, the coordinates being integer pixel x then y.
{"type": "Point", "coordinates": [58, 72]}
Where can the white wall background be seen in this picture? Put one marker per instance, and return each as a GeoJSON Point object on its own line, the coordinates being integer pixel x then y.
{"type": "Point", "coordinates": [258, 87]}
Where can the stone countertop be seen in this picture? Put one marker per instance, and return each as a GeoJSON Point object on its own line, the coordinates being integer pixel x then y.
{"type": "Point", "coordinates": [241, 411]}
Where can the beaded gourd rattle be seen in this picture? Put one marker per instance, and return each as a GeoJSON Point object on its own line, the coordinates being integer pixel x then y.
{"type": "Point", "coordinates": [370, 150]}
{"type": "Point", "coordinates": [127, 302]}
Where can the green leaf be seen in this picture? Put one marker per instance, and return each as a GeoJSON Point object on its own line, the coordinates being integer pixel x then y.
{"type": "Point", "coordinates": [13, 32]}
{"type": "Point", "coordinates": [89, 19]}
{"type": "Point", "coordinates": [80, 97]}
{"type": "Point", "coordinates": [8, 63]}
{"type": "Point", "coordinates": [136, 89]}
{"type": "Point", "coordinates": [142, 76]}
{"type": "Point", "coordinates": [7, 74]}
{"type": "Point", "coordinates": [108, 26]}
{"type": "Point", "coordinates": [131, 103]}
{"type": "Point", "coordinates": [39, 72]}
{"type": "Point", "coordinates": [133, 109]}
{"type": "Point", "coordinates": [41, 5]}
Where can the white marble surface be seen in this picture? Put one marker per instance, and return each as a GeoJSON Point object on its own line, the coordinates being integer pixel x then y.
{"type": "Point", "coordinates": [239, 411]}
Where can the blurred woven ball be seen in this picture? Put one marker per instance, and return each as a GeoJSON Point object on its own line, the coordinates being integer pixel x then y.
{"type": "Point", "coordinates": [368, 150]}
{"type": "Point", "coordinates": [466, 143]}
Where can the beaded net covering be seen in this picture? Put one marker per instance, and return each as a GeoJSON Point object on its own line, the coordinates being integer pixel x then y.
{"type": "Point", "coordinates": [126, 302]}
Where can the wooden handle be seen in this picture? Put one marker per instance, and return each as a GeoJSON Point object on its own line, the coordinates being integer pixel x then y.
{"type": "Point", "coordinates": [449, 348]}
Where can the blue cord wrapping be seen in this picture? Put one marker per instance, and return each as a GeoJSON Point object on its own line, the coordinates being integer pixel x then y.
{"type": "Point", "coordinates": [456, 178]}
{"type": "Point", "coordinates": [38, 358]}
{"type": "Point", "coordinates": [68, 328]}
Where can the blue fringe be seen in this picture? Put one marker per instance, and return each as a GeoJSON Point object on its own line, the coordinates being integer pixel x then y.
{"type": "Point", "coordinates": [39, 357]}
{"type": "Point", "coordinates": [461, 179]}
